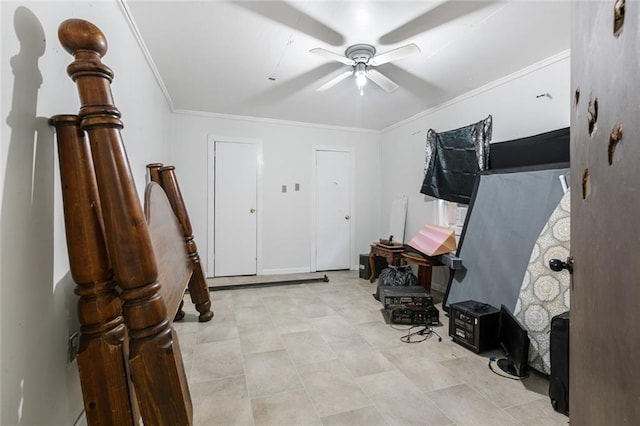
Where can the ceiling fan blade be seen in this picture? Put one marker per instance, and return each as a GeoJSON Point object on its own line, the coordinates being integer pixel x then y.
{"type": "Point", "coordinates": [439, 15]}
{"type": "Point", "coordinates": [330, 55]}
{"type": "Point", "coordinates": [395, 54]}
{"type": "Point", "coordinates": [382, 81]}
{"type": "Point", "coordinates": [334, 81]}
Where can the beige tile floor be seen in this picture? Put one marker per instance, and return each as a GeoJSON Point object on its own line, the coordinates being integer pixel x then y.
{"type": "Point", "coordinates": [322, 354]}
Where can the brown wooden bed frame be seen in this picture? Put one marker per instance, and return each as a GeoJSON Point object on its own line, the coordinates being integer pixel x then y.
{"type": "Point", "coordinates": [131, 266]}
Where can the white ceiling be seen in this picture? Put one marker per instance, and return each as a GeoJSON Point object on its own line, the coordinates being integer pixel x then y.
{"type": "Point", "coordinates": [217, 57]}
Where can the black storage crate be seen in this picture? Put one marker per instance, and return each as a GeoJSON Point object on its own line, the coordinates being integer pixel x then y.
{"type": "Point", "coordinates": [559, 358]}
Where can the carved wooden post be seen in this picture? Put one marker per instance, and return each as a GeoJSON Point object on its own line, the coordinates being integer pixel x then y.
{"type": "Point", "coordinates": [101, 357]}
{"type": "Point", "coordinates": [154, 359]}
{"type": "Point", "coordinates": [153, 172]}
{"type": "Point", "coordinates": [198, 288]}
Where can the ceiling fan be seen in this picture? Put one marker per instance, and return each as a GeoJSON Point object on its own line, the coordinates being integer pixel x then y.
{"type": "Point", "coordinates": [362, 57]}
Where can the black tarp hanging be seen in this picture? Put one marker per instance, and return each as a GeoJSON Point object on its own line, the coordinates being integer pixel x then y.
{"type": "Point", "coordinates": [454, 158]}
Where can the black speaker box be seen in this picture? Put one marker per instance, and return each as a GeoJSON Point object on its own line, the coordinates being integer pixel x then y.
{"type": "Point", "coordinates": [365, 268]}
{"type": "Point", "coordinates": [474, 325]}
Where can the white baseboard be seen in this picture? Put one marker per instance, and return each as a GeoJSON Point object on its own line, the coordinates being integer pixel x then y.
{"type": "Point", "coordinates": [82, 419]}
{"type": "Point", "coordinates": [283, 271]}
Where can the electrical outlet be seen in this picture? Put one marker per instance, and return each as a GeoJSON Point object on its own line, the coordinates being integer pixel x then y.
{"type": "Point", "coordinates": [73, 345]}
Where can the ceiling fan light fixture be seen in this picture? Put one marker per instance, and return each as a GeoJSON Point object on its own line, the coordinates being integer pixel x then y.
{"type": "Point", "coordinates": [361, 80]}
{"type": "Point", "coordinates": [361, 57]}
{"type": "Point", "coordinates": [360, 71]}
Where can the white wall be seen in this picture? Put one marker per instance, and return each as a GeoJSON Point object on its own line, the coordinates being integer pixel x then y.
{"type": "Point", "coordinates": [516, 110]}
{"type": "Point", "coordinates": [287, 149]}
{"type": "Point", "coordinates": [38, 306]}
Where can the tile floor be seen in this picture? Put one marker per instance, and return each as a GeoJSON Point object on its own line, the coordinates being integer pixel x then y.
{"type": "Point", "coordinates": [322, 354]}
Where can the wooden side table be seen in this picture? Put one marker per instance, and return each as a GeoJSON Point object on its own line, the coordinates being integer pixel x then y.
{"type": "Point", "coordinates": [393, 254]}
{"type": "Point", "coordinates": [424, 268]}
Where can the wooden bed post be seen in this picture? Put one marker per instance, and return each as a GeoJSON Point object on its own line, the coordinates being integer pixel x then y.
{"type": "Point", "coordinates": [153, 175]}
{"type": "Point", "coordinates": [154, 355]}
{"type": "Point", "coordinates": [102, 354]}
{"type": "Point", "coordinates": [153, 172]}
{"type": "Point", "coordinates": [198, 287]}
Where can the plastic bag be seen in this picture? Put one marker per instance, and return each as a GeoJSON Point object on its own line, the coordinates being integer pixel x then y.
{"type": "Point", "coordinates": [397, 276]}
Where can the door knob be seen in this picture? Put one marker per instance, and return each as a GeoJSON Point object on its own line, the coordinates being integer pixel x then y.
{"type": "Point", "coordinates": [252, 210]}
{"type": "Point", "coordinates": [347, 217]}
{"type": "Point", "coordinates": [558, 265]}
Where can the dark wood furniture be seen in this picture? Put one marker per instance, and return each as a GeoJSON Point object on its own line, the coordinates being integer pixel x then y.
{"type": "Point", "coordinates": [396, 256]}
{"type": "Point", "coordinates": [165, 176]}
{"type": "Point", "coordinates": [102, 353]}
{"type": "Point", "coordinates": [424, 268]}
{"type": "Point", "coordinates": [392, 252]}
{"type": "Point", "coordinates": [131, 266]}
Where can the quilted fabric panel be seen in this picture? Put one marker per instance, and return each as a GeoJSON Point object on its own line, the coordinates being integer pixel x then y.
{"type": "Point", "coordinates": [545, 293]}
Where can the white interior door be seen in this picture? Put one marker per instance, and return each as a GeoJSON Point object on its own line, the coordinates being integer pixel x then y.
{"type": "Point", "coordinates": [235, 209]}
{"type": "Point", "coordinates": [333, 210]}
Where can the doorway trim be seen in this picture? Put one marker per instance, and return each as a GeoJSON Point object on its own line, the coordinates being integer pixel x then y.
{"type": "Point", "coordinates": [211, 143]}
{"type": "Point", "coordinates": [314, 206]}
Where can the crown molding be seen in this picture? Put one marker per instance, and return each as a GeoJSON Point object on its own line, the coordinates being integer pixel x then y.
{"type": "Point", "coordinates": [274, 121]}
{"type": "Point", "coordinates": [145, 51]}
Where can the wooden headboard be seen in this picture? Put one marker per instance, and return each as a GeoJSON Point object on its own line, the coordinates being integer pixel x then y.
{"type": "Point", "coordinates": [174, 269]}
{"type": "Point", "coordinates": [131, 266]}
